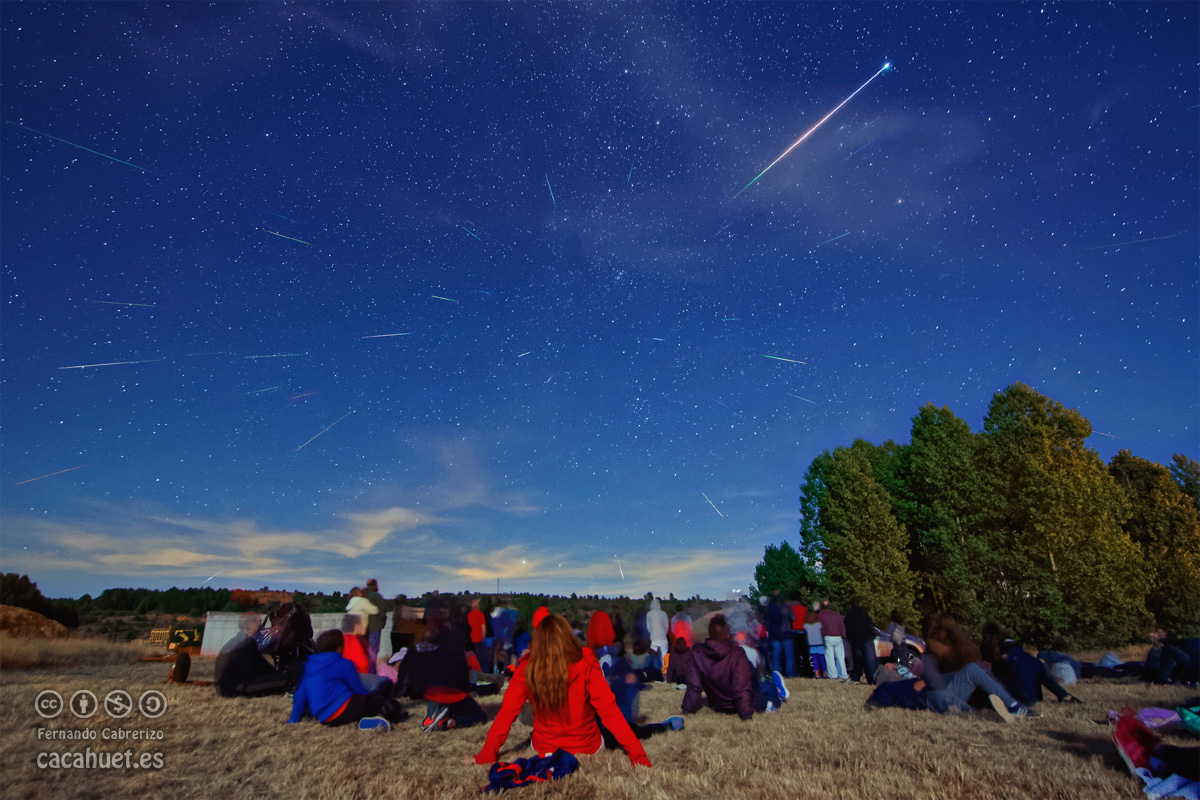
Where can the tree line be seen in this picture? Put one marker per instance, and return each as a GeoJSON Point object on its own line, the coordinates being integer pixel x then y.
{"type": "Point", "coordinates": [1020, 523]}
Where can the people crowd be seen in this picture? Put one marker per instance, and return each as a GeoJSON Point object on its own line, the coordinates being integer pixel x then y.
{"type": "Point", "coordinates": [577, 682]}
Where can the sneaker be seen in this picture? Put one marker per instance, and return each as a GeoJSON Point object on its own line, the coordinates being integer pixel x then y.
{"type": "Point", "coordinates": [447, 724]}
{"type": "Point", "coordinates": [374, 724]}
{"type": "Point", "coordinates": [676, 723]}
{"type": "Point", "coordinates": [435, 713]}
{"type": "Point", "coordinates": [1071, 699]}
{"type": "Point", "coordinates": [1019, 710]}
{"type": "Point", "coordinates": [777, 676]}
{"type": "Point", "coordinates": [849, 682]}
{"type": "Point", "coordinates": [771, 707]}
{"type": "Point", "coordinates": [1000, 708]}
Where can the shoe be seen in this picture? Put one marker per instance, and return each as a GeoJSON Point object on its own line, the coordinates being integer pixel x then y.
{"type": "Point", "coordinates": [849, 682]}
{"type": "Point", "coordinates": [676, 723]}
{"type": "Point", "coordinates": [1071, 699]}
{"type": "Point", "coordinates": [433, 715]}
{"type": "Point", "coordinates": [374, 724]}
{"type": "Point", "coordinates": [771, 707]}
{"type": "Point", "coordinates": [447, 724]}
{"type": "Point", "coordinates": [1019, 710]}
{"type": "Point", "coordinates": [1000, 708]}
{"type": "Point", "coordinates": [777, 677]}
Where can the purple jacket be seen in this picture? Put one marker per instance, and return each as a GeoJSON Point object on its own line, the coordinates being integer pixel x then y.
{"type": "Point", "coordinates": [832, 623]}
{"type": "Point", "coordinates": [721, 670]}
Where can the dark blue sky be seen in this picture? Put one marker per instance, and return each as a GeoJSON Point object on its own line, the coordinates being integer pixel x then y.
{"type": "Point", "coordinates": [541, 198]}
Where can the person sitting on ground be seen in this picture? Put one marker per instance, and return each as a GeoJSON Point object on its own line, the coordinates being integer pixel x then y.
{"type": "Point", "coordinates": [1167, 662]}
{"type": "Point", "coordinates": [644, 663]}
{"type": "Point", "coordinates": [573, 706]}
{"type": "Point", "coordinates": [721, 674]}
{"type": "Point", "coordinates": [680, 664]}
{"type": "Point", "coordinates": [241, 671]}
{"type": "Point", "coordinates": [436, 670]}
{"type": "Point", "coordinates": [332, 691]}
{"type": "Point", "coordinates": [951, 671]}
{"type": "Point", "coordinates": [601, 638]}
{"type": "Point", "coordinates": [1021, 673]}
{"type": "Point", "coordinates": [356, 654]}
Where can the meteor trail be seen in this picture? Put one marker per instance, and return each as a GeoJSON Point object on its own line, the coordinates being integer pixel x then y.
{"type": "Point", "coordinates": [115, 303]}
{"type": "Point", "coordinates": [811, 130]}
{"type": "Point", "coordinates": [551, 188]}
{"type": "Point", "coordinates": [291, 238]}
{"type": "Point", "coordinates": [527, 352]}
{"type": "Point", "coordinates": [1135, 241]}
{"type": "Point", "coordinates": [834, 239]}
{"type": "Point", "coordinates": [468, 230]}
{"type": "Point", "coordinates": [112, 363]}
{"type": "Point", "coordinates": [384, 335]}
{"type": "Point", "coordinates": [618, 558]}
{"type": "Point", "coordinates": [335, 422]}
{"type": "Point", "coordinates": [798, 397]}
{"type": "Point", "coordinates": [219, 572]}
{"type": "Point", "coordinates": [790, 360]}
{"type": "Point", "coordinates": [50, 475]}
{"type": "Point", "coordinates": [856, 152]}
{"type": "Point", "coordinates": [269, 388]}
{"type": "Point", "coordinates": [447, 299]}
{"type": "Point", "coordinates": [722, 228]}
{"type": "Point", "coordinates": [81, 147]}
{"type": "Point", "coordinates": [629, 180]}
{"type": "Point", "coordinates": [710, 502]}
{"type": "Point", "coordinates": [278, 355]}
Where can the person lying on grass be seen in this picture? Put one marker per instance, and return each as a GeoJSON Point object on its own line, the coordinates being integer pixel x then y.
{"type": "Point", "coordinates": [333, 693]}
{"type": "Point", "coordinates": [573, 706]}
{"type": "Point", "coordinates": [952, 672]}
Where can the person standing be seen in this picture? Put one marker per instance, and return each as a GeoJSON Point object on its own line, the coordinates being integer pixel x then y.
{"type": "Point", "coordinates": [860, 633]}
{"type": "Point", "coordinates": [658, 626]}
{"type": "Point", "coordinates": [778, 618]}
{"type": "Point", "coordinates": [375, 622]}
{"type": "Point", "coordinates": [833, 631]}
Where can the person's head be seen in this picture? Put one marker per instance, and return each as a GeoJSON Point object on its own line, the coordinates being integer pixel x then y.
{"type": "Point", "coordinates": [825, 603]}
{"type": "Point", "coordinates": [680, 645]}
{"type": "Point", "coordinates": [950, 645]}
{"type": "Point", "coordinates": [350, 623]}
{"type": "Point", "coordinates": [600, 631]}
{"type": "Point", "coordinates": [372, 585]}
{"type": "Point", "coordinates": [718, 628]}
{"type": "Point", "coordinates": [551, 653]}
{"type": "Point", "coordinates": [639, 647]}
{"type": "Point", "coordinates": [330, 642]}
{"type": "Point", "coordinates": [356, 591]}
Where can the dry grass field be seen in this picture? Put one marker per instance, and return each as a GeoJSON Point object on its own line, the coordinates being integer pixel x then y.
{"type": "Point", "coordinates": [823, 745]}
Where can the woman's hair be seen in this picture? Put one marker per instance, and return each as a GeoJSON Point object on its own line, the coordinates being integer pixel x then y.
{"type": "Point", "coordinates": [551, 654]}
{"type": "Point", "coordinates": [958, 648]}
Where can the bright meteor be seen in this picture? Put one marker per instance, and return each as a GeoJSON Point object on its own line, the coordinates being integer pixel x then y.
{"type": "Point", "coordinates": [811, 130]}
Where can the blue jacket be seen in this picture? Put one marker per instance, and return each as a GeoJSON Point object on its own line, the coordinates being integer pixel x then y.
{"type": "Point", "coordinates": [329, 680]}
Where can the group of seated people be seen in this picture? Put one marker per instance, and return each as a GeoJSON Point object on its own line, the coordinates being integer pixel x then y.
{"type": "Point", "coordinates": [584, 698]}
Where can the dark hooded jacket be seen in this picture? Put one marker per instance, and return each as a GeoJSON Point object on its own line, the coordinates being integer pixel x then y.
{"type": "Point", "coordinates": [721, 670]}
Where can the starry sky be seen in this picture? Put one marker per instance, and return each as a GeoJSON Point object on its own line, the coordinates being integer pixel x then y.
{"type": "Point", "coordinates": [455, 293]}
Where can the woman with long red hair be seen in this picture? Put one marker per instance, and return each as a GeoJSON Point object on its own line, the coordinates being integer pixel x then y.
{"type": "Point", "coordinates": [570, 697]}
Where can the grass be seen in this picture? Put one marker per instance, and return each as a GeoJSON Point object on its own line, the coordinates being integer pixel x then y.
{"type": "Point", "coordinates": [824, 745]}
{"type": "Point", "coordinates": [23, 653]}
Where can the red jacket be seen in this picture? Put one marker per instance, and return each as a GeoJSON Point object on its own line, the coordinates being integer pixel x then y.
{"type": "Point", "coordinates": [574, 729]}
{"type": "Point", "coordinates": [353, 650]}
{"type": "Point", "coordinates": [478, 623]}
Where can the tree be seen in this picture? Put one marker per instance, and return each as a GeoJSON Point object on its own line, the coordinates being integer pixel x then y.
{"type": "Point", "coordinates": [813, 494]}
{"type": "Point", "coordinates": [866, 549]}
{"type": "Point", "coordinates": [1052, 559]}
{"type": "Point", "coordinates": [1186, 473]}
{"type": "Point", "coordinates": [783, 569]}
{"type": "Point", "coordinates": [18, 590]}
{"type": "Point", "coordinates": [938, 470]}
{"type": "Point", "coordinates": [1164, 524]}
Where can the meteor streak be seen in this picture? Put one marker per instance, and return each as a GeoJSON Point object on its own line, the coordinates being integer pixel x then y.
{"type": "Point", "coordinates": [710, 502]}
{"type": "Point", "coordinates": [269, 388]}
{"type": "Point", "coordinates": [1135, 241]}
{"type": "Point", "coordinates": [115, 303]}
{"type": "Point", "coordinates": [527, 352]}
{"type": "Point", "coordinates": [468, 230]}
{"type": "Point", "coordinates": [622, 569]}
{"type": "Point", "coordinates": [219, 572]}
{"type": "Point", "coordinates": [50, 475]}
{"type": "Point", "coordinates": [813, 129]}
{"type": "Point", "coordinates": [834, 239]}
{"type": "Point", "coordinates": [551, 188]}
{"type": "Point", "coordinates": [81, 147]}
{"type": "Point", "coordinates": [385, 335]}
{"type": "Point", "coordinates": [335, 422]}
{"type": "Point", "coordinates": [447, 299]}
{"type": "Point", "coordinates": [291, 238]}
{"type": "Point", "coordinates": [790, 360]}
{"type": "Point", "coordinates": [798, 397]}
{"type": "Point", "coordinates": [112, 363]}
{"type": "Point", "coordinates": [278, 355]}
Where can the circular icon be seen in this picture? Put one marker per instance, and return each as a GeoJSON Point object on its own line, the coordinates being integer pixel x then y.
{"type": "Point", "coordinates": [118, 704]}
{"type": "Point", "coordinates": [153, 704]}
{"type": "Point", "coordinates": [84, 704]}
{"type": "Point", "coordinates": [48, 704]}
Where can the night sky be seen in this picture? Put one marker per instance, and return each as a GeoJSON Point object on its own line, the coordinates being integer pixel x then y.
{"type": "Point", "coordinates": [449, 293]}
